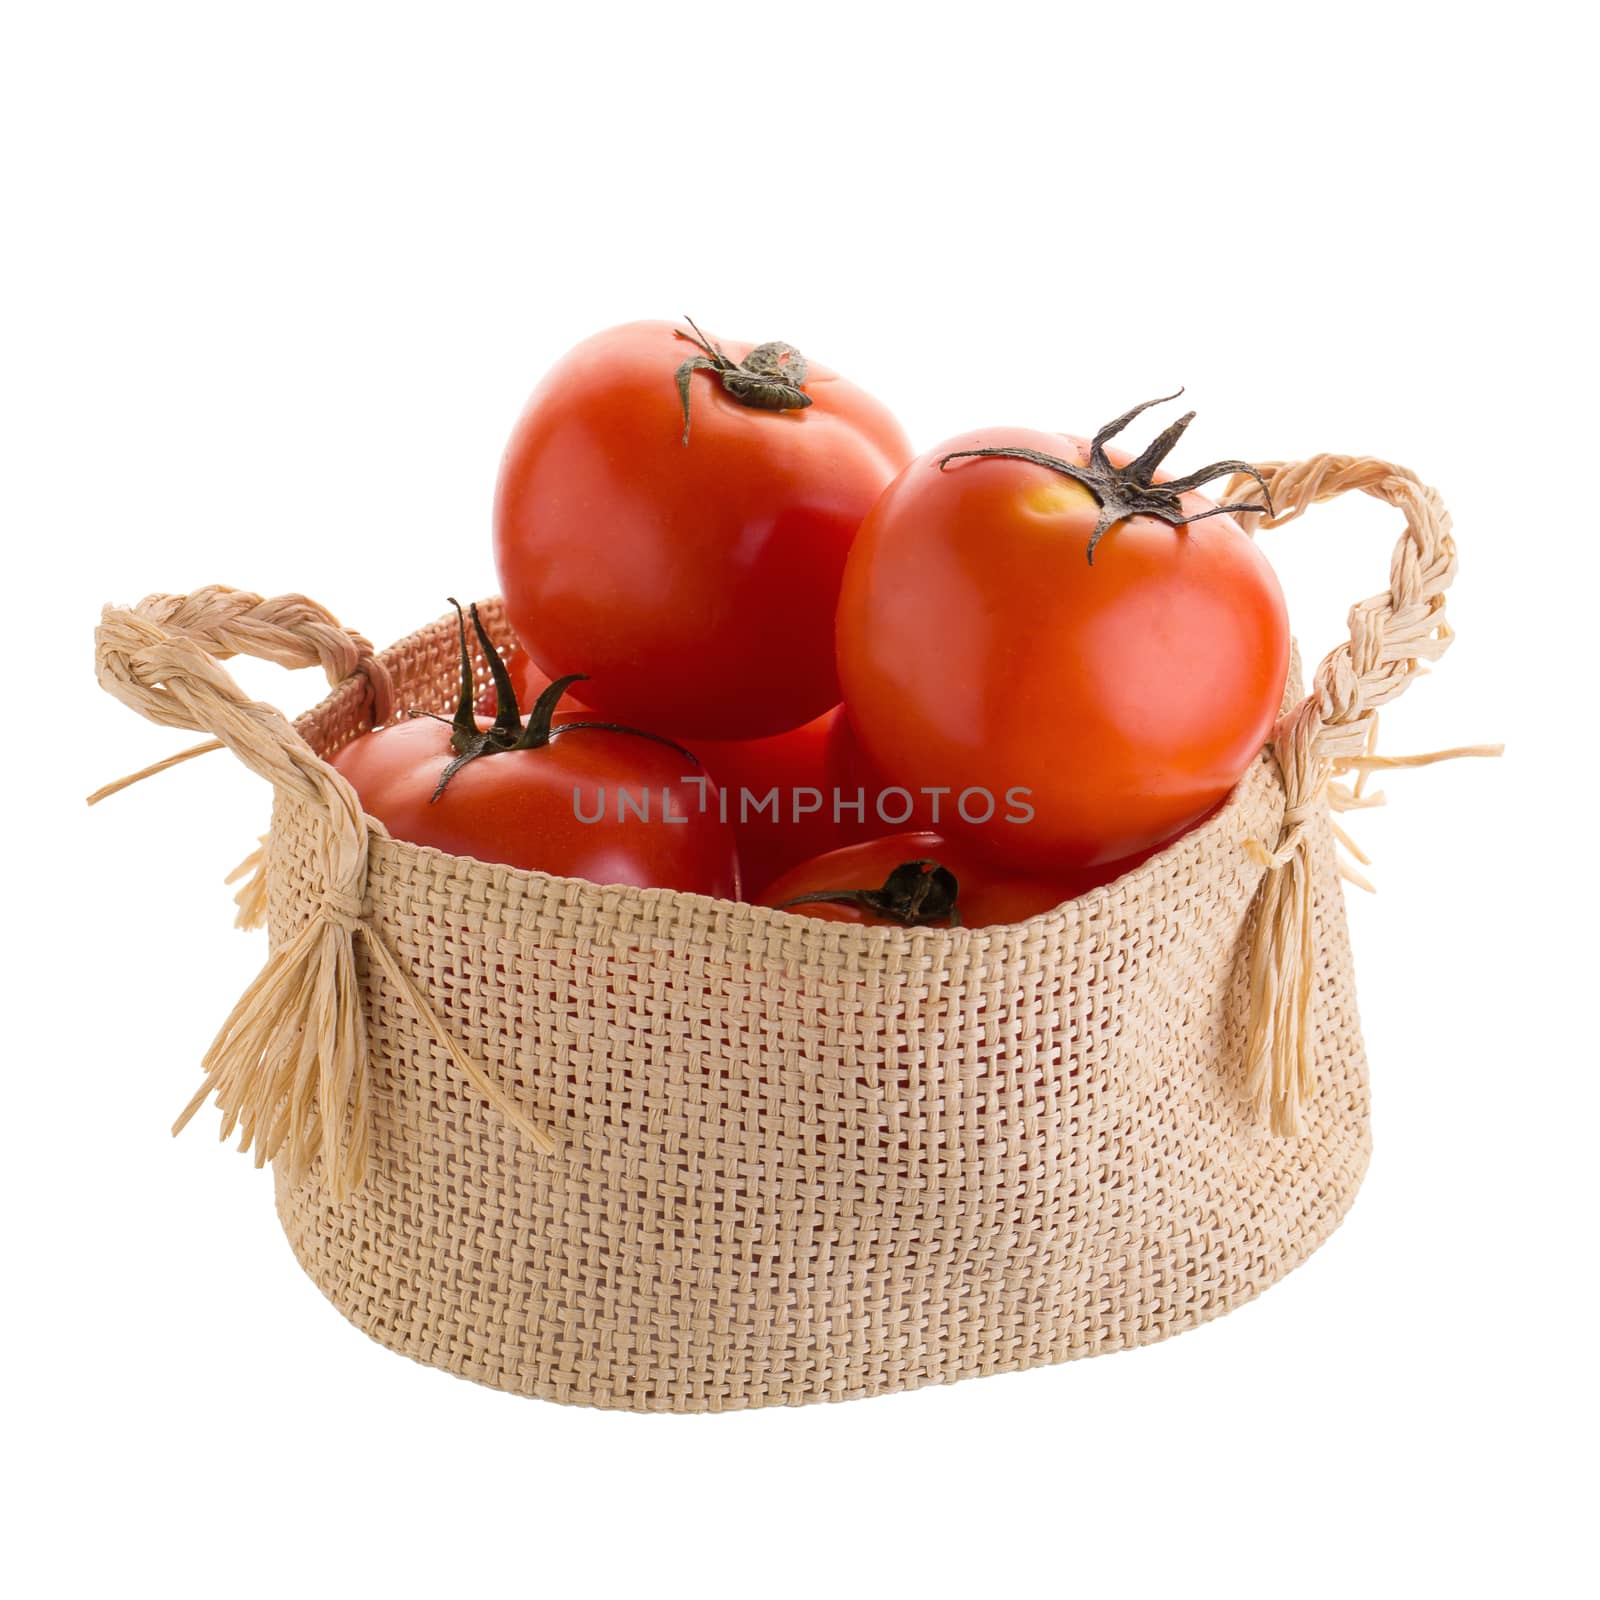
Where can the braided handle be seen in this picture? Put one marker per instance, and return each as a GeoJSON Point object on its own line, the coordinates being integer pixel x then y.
{"type": "Point", "coordinates": [162, 658]}
{"type": "Point", "coordinates": [1332, 729]}
{"type": "Point", "coordinates": [1391, 635]}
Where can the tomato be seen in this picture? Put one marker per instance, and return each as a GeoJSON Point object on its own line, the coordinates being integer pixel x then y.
{"type": "Point", "coordinates": [828, 795]}
{"type": "Point", "coordinates": [693, 575]}
{"type": "Point", "coordinates": [581, 801]}
{"type": "Point", "coordinates": [778, 796]}
{"type": "Point", "coordinates": [524, 807]}
{"type": "Point", "coordinates": [983, 897]}
{"type": "Point", "coordinates": [980, 647]}
{"type": "Point", "coordinates": [886, 807]}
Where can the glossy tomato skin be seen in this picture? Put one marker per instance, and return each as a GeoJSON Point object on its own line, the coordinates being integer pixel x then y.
{"type": "Point", "coordinates": [519, 807]}
{"type": "Point", "coordinates": [800, 823]}
{"type": "Point", "coordinates": [696, 584]}
{"type": "Point", "coordinates": [985, 898]}
{"type": "Point", "coordinates": [979, 649]}
{"type": "Point", "coordinates": [830, 793]}
{"type": "Point", "coordinates": [886, 807]}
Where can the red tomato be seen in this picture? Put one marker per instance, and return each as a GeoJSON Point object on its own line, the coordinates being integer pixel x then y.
{"type": "Point", "coordinates": [886, 807]}
{"type": "Point", "coordinates": [694, 582]}
{"type": "Point", "coordinates": [551, 793]}
{"type": "Point", "coordinates": [778, 796]}
{"type": "Point", "coordinates": [526, 807]}
{"type": "Point", "coordinates": [829, 794]}
{"type": "Point", "coordinates": [984, 897]}
{"type": "Point", "coordinates": [980, 649]}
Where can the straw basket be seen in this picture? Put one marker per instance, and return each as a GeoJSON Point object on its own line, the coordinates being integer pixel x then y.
{"type": "Point", "coordinates": [643, 1149]}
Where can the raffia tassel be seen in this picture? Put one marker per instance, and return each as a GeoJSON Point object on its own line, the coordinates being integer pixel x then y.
{"type": "Point", "coordinates": [1279, 1072]}
{"type": "Point", "coordinates": [251, 898]}
{"type": "Point", "coordinates": [287, 1068]}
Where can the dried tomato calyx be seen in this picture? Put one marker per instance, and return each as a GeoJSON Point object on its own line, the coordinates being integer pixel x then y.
{"type": "Point", "coordinates": [771, 378]}
{"type": "Point", "coordinates": [915, 894]}
{"type": "Point", "coordinates": [1128, 491]}
{"type": "Point", "coordinates": [508, 731]}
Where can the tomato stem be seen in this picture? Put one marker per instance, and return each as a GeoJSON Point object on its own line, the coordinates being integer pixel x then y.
{"type": "Point", "coordinates": [508, 731]}
{"type": "Point", "coordinates": [771, 378]}
{"type": "Point", "coordinates": [915, 894]}
{"type": "Point", "coordinates": [1129, 491]}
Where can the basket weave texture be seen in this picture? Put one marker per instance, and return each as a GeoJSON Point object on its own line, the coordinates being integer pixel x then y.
{"type": "Point", "coordinates": [648, 1150]}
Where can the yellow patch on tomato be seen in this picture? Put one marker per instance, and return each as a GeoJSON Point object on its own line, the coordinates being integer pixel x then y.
{"type": "Point", "coordinates": [1057, 497]}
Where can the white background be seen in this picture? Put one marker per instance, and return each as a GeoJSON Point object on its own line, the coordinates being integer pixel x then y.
{"type": "Point", "coordinates": [276, 281]}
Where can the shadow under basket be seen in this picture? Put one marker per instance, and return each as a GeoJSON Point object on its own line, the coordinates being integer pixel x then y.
{"type": "Point", "coordinates": [644, 1149]}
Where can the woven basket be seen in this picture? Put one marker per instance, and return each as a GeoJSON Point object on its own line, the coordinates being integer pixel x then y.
{"type": "Point", "coordinates": [644, 1149]}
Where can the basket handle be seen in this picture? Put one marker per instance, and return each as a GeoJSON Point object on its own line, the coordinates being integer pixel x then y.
{"type": "Point", "coordinates": [162, 657]}
{"type": "Point", "coordinates": [1331, 731]}
{"type": "Point", "coordinates": [1391, 634]}
{"type": "Point", "coordinates": [289, 1066]}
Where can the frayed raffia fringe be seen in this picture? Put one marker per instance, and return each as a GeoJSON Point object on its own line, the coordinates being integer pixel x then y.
{"type": "Point", "coordinates": [1279, 1070]}
{"type": "Point", "coordinates": [251, 897]}
{"type": "Point", "coordinates": [288, 1069]}
{"type": "Point", "coordinates": [107, 790]}
{"type": "Point", "coordinates": [1331, 733]}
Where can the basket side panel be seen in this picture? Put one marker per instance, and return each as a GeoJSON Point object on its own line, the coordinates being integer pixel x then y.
{"type": "Point", "coordinates": [802, 1161]}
